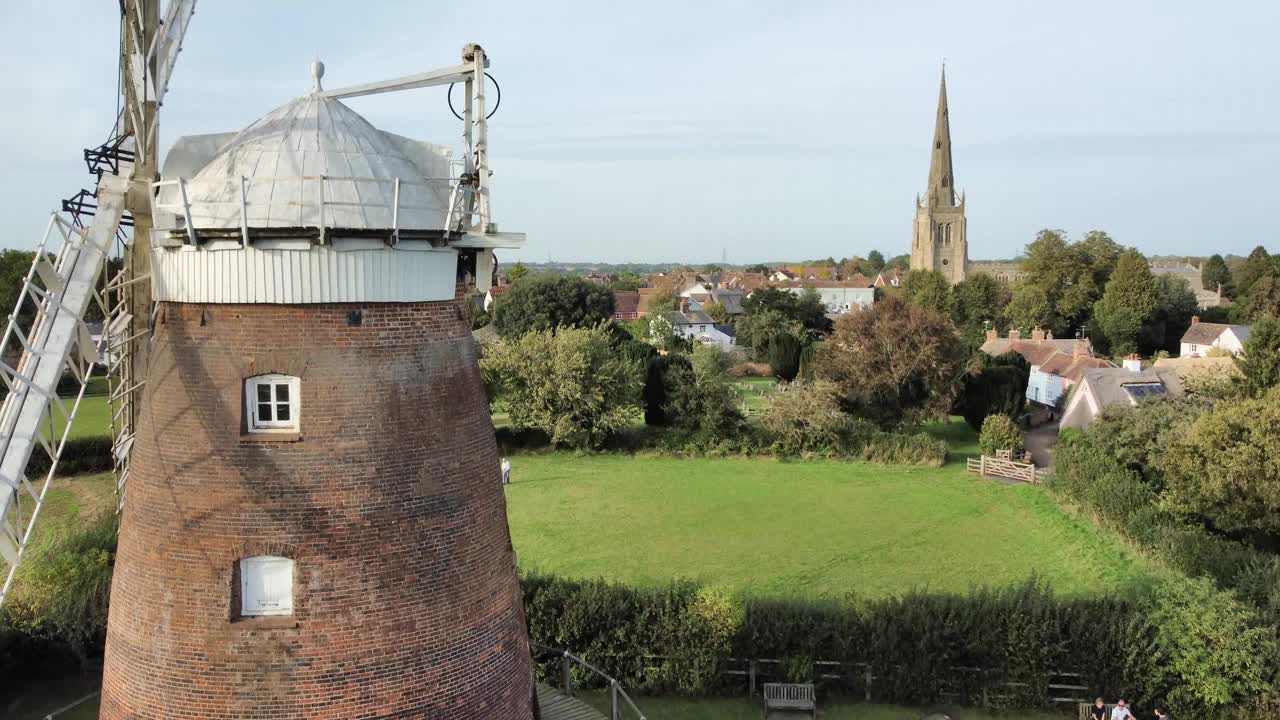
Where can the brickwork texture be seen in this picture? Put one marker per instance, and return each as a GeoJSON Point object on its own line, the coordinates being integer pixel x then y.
{"type": "Point", "coordinates": [405, 593]}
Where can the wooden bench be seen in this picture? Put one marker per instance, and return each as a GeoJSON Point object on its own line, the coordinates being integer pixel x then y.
{"type": "Point", "coordinates": [785, 699]}
{"type": "Point", "coordinates": [1083, 709]}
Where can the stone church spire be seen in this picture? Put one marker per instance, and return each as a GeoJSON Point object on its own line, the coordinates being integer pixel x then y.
{"type": "Point", "coordinates": [942, 185]}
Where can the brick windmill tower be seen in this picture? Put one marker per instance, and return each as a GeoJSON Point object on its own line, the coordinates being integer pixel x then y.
{"type": "Point", "coordinates": [314, 524]}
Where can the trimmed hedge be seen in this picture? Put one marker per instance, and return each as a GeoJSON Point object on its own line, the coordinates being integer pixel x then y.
{"type": "Point", "coordinates": [996, 647]}
{"type": "Point", "coordinates": [79, 456]}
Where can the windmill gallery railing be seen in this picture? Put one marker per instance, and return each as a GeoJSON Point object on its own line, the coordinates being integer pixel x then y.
{"type": "Point", "coordinates": [320, 201]}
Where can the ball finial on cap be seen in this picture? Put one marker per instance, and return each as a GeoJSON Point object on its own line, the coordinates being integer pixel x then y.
{"type": "Point", "coordinates": [317, 72]}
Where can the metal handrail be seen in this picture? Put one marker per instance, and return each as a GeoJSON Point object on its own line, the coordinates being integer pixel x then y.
{"type": "Point", "coordinates": [615, 688]}
{"type": "Point", "coordinates": [455, 204]}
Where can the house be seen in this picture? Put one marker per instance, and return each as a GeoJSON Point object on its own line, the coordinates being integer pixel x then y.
{"type": "Point", "coordinates": [837, 296]}
{"type": "Point", "coordinates": [730, 300]}
{"type": "Point", "coordinates": [1054, 374]}
{"type": "Point", "coordinates": [745, 281]}
{"type": "Point", "coordinates": [782, 274]}
{"type": "Point", "coordinates": [1205, 298]}
{"type": "Point", "coordinates": [811, 272]}
{"type": "Point", "coordinates": [1202, 338]}
{"type": "Point", "coordinates": [492, 294]}
{"type": "Point", "coordinates": [626, 304]}
{"type": "Point", "coordinates": [1034, 347]}
{"type": "Point", "coordinates": [644, 305]}
{"type": "Point", "coordinates": [1100, 387]}
{"type": "Point", "coordinates": [857, 280]}
{"type": "Point", "coordinates": [888, 278]}
{"type": "Point", "coordinates": [600, 278]}
{"type": "Point", "coordinates": [697, 326]}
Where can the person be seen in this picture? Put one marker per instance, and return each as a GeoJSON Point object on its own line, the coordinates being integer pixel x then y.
{"type": "Point", "coordinates": [1162, 714]}
{"type": "Point", "coordinates": [506, 471]}
{"type": "Point", "coordinates": [1121, 711]}
{"type": "Point", "coordinates": [1098, 711]}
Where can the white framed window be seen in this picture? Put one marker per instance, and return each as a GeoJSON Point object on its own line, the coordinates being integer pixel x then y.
{"type": "Point", "coordinates": [266, 586]}
{"type": "Point", "coordinates": [273, 402]}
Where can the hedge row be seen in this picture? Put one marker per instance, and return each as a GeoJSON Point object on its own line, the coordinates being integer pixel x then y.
{"type": "Point", "coordinates": [79, 456]}
{"type": "Point", "coordinates": [1001, 647]}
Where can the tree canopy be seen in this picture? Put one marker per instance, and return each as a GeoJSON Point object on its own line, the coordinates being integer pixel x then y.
{"type": "Point", "coordinates": [1029, 308]}
{"type": "Point", "coordinates": [928, 289]}
{"type": "Point", "coordinates": [518, 272]}
{"type": "Point", "coordinates": [547, 302]}
{"type": "Point", "coordinates": [1215, 275]}
{"type": "Point", "coordinates": [1259, 366]}
{"type": "Point", "coordinates": [1129, 300]}
{"type": "Point", "coordinates": [894, 362]}
{"type": "Point", "coordinates": [572, 384]}
{"type": "Point", "coordinates": [804, 307]}
{"type": "Point", "coordinates": [1072, 276]}
{"type": "Point", "coordinates": [977, 302]}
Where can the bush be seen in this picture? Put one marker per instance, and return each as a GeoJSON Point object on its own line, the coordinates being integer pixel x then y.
{"type": "Point", "coordinates": [548, 302]}
{"type": "Point", "coordinates": [79, 456]}
{"type": "Point", "coordinates": [659, 381]}
{"type": "Point", "coordinates": [997, 386]}
{"type": "Point", "coordinates": [62, 590]}
{"type": "Point", "coordinates": [807, 418]}
{"type": "Point", "coordinates": [784, 356]}
{"type": "Point", "coordinates": [573, 385]}
{"type": "Point", "coordinates": [1000, 433]}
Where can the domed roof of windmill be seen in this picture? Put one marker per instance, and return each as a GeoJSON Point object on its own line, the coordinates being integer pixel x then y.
{"type": "Point", "coordinates": [313, 162]}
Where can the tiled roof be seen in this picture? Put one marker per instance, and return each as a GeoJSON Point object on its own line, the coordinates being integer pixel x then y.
{"type": "Point", "coordinates": [690, 317]}
{"type": "Point", "coordinates": [1204, 333]}
{"type": "Point", "coordinates": [626, 301]}
{"type": "Point", "coordinates": [498, 290]}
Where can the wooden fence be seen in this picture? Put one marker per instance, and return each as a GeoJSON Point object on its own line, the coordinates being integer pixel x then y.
{"type": "Point", "coordinates": [988, 466]}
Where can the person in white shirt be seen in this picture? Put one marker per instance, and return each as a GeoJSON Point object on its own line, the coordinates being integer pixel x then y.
{"type": "Point", "coordinates": [506, 471]}
{"type": "Point", "coordinates": [1121, 711]}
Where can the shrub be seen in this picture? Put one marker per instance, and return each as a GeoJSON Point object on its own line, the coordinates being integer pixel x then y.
{"type": "Point", "coordinates": [548, 302]}
{"type": "Point", "coordinates": [807, 418]}
{"type": "Point", "coordinates": [1000, 433]}
{"type": "Point", "coordinates": [997, 386]}
{"type": "Point", "coordinates": [79, 456]}
{"type": "Point", "coordinates": [784, 356]}
{"type": "Point", "coordinates": [572, 384]}
{"type": "Point", "coordinates": [61, 592]}
{"type": "Point", "coordinates": [660, 379]}
{"type": "Point", "coordinates": [890, 448]}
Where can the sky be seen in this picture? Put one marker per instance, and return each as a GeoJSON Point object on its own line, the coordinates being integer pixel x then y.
{"type": "Point", "coordinates": [756, 131]}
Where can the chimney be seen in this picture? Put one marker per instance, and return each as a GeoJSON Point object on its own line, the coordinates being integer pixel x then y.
{"type": "Point", "coordinates": [1081, 348]}
{"type": "Point", "coordinates": [684, 304]}
{"type": "Point", "coordinates": [1133, 363]}
{"type": "Point", "coordinates": [1195, 319]}
{"type": "Point", "coordinates": [993, 334]}
{"type": "Point", "coordinates": [1015, 334]}
{"type": "Point", "coordinates": [1037, 334]}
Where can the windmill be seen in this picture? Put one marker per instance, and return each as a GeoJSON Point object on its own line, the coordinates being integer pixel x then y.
{"type": "Point", "coordinates": [312, 520]}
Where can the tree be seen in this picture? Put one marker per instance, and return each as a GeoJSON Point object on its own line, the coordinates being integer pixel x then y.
{"type": "Point", "coordinates": [875, 261]}
{"type": "Point", "coordinates": [717, 312]}
{"type": "Point", "coordinates": [900, 262]}
{"type": "Point", "coordinates": [660, 377]}
{"type": "Point", "coordinates": [928, 289]}
{"type": "Point", "coordinates": [14, 266]}
{"type": "Point", "coordinates": [894, 362]}
{"type": "Point", "coordinates": [517, 273]}
{"type": "Point", "coordinates": [1225, 467]}
{"type": "Point", "coordinates": [1072, 276]}
{"type": "Point", "coordinates": [1215, 276]}
{"type": "Point", "coordinates": [997, 386]}
{"type": "Point", "coordinates": [977, 303]}
{"type": "Point", "coordinates": [1127, 303]}
{"type": "Point", "coordinates": [547, 302]}
{"type": "Point", "coordinates": [1259, 365]}
{"type": "Point", "coordinates": [1252, 269]}
{"type": "Point", "coordinates": [1175, 305]}
{"type": "Point", "coordinates": [627, 281]}
{"type": "Point", "coordinates": [699, 397]}
{"type": "Point", "coordinates": [664, 300]}
{"type": "Point", "coordinates": [757, 328]}
{"type": "Point", "coordinates": [1029, 308]}
{"type": "Point", "coordinates": [784, 356]}
{"type": "Point", "coordinates": [572, 384]}
{"type": "Point", "coordinates": [758, 268]}
{"type": "Point", "coordinates": [1263, 298]}
{"type": "Point", "coordinates": [1000, 433]}
{"type": "Point", "coordinates": [805, 307]}
{"type": "Point", "coordinates": [710, 268]}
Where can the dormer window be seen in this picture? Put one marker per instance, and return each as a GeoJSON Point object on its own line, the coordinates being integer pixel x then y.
{"type": "Point", "coordinates": [273, 403]}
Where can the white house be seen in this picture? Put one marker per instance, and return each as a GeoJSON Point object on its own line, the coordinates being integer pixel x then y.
{"type": "Point", "coordinates": [697, 326]}
{"type": "Point", "coordinates": [1100, 387]}
{"type": "Point", "coordinates": [837, 297]}
{"type": "Point", "coordinates": [1054, 375]}
{"type": "Point", "coordinates": [1202, 338]}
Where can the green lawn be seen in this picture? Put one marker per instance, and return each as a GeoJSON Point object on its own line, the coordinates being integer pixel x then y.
{"type": "Point", "coordinates": [749, 389]}
{"type": "Point", "coordinates": [813, 528]}
{"type": "Point", "coordinates": [748, 709]}
{"type": "Point", "coordinates": [93, 418]}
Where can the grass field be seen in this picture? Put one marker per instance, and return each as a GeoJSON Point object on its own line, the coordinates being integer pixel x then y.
{"type": "Point", "coordinates": [814, 528]}
{"type": "Point", "coordinates": [93, 417]}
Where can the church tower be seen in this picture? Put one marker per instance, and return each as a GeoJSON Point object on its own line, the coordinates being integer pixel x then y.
{"type": "Point", "coordinates": [939, 241]}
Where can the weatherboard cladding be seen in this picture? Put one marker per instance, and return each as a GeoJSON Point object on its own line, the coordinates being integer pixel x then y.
{"type": "Point", "coordinates": [321, 274]}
